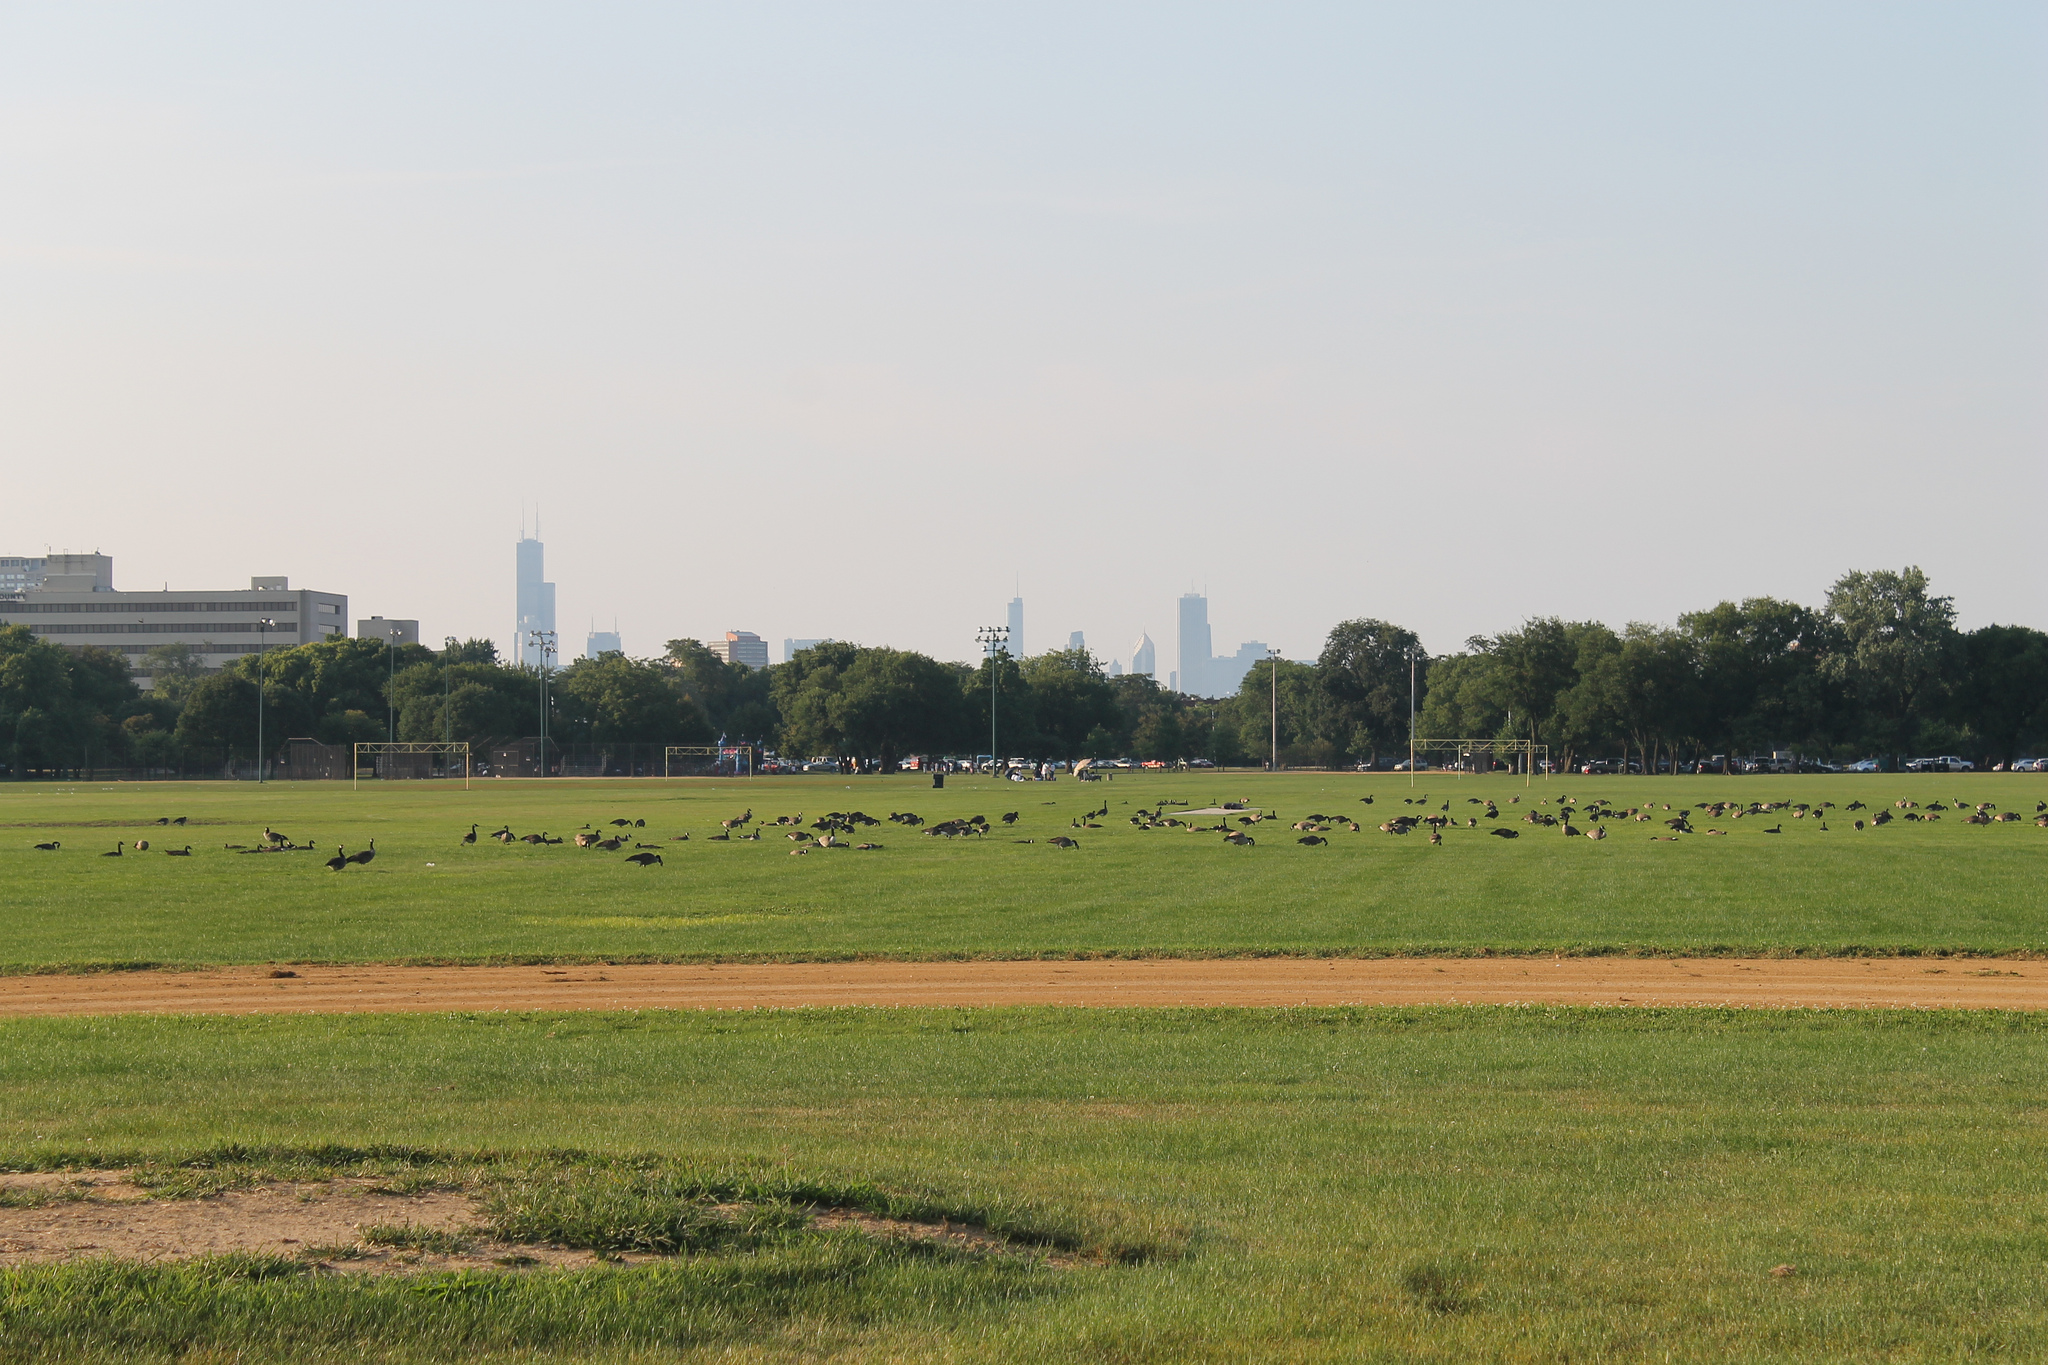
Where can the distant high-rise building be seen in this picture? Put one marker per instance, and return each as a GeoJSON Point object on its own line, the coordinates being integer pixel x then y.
{"type": "Point", "coordinates": [1144, 658]}
{"type": "Point", "coordinates": [1116, 668]}
{"type": "Point", "coordinates": [793, 647]}
{"type": "Point", "coordinates": [1075, 640]}
{"type": "Point", "coordinates": [389, 629]}
{"type": "Point", "coordinates": [535, 609]}
{"type": "Point", "coordinates": [602, 642]}
{"type": "Point", "coordinates": [1016, 645]}
{"type": "Point", "coordinates": [1193, 645]}
{"type": "Point", "coordinates": [742, 647]}
{"type": "Point", "coordinates": [1227, 675]}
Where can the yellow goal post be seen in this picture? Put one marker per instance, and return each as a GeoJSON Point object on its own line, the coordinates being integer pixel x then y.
{"type": "Point", "coordinates": [407, 761]}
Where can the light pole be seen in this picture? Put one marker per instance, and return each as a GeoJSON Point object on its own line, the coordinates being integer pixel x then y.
{"type": "Point", "coordinates": [544, 642]}
{"type": "Point", "coordinates": [1273, 657]}
{"type": "Point", "coordinates": [391, 684]}
{"type": "Point", "coordinates": [447, 689]}
{"type": "Point", "coordinates": [1411, 715]}
{"type": "Point", "coordinates": [263, 625]}
{"type": "Point", "coordinates": [993, 638]}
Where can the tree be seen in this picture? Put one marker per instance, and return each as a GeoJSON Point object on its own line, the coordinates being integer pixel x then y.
{"type": "Point", "coordinates": [1301, 700]}
{"type": "Point", "coordinates": [35, 701]}
{"type": "Point", "coordinates": [880, 704]}
{"type": "Point", "coordinates": [173, 670]}
{"type": "Point", "coordinates": [1364, 674]}
{"type": "Point", "coordinates": [1760, 675]}
{"type": "Point", "coordinates": [1898, 644]}
{"type": "Point", "coordinates": [2002, 691]}
{"type": "Point", "coordinates": [1072, 701]}
{"type": "Point", "coordinates": [737, 700]}
{"type": "Point", "coordinates": [613, 699]}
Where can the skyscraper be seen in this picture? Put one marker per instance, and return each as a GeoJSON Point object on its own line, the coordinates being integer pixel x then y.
{"type": "Point", "coordinates": [1077, 640]}
{"type": "Point", "coordinates": [1016, 645]}
{"type": "Point", "coordinates": [602, 642]}
{"type": "Point", "coordinates": [1193, 645]}
{"type": "Point", "coordinates": [535, 604]}
{"type": "Point", "coordinates": [1144, 657]}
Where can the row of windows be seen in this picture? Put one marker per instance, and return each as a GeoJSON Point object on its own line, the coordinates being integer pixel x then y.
{"type": "Point", "coordinates": [132, 606]}
{"type": "Point", "coordinates": [183, 628]}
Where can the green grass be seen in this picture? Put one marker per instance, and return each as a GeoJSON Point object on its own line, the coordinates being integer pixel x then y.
{"type": "Point", "coordinates": [1443, 1184]}
{"type": "Point", "coordinates": [1903, 888]}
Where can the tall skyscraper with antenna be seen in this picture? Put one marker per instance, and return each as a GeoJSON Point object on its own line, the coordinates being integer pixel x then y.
{"type": "Point", "coordinates": [1016, 645]}
{"type": "Point", "coordinates": [534, 599]}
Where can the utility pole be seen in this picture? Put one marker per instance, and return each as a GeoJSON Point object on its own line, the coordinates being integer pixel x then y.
{"type": "Point", "coordinates": [1273, 657]}
{"type": "Point", "coordinates": [992, 639]}
{"type": "Point", "coordinates": [263, 625]}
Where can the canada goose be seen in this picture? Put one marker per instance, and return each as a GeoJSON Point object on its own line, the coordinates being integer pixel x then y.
{"type": "Point", "coordinates": [751, 837]}
{"type": "Point", "coordinates": [1366, 799]}
{"type": "Point", "coordinates": [184, 852]}
{"type": "Point", "coordinates": [620, 824]}
{"type": "Point", "coordinates": [1436, 836]}
{"type": "Point", "coordinates": [470, 837]}
{"type": "Point", "coordinates": [1778, 828]}
{"type": "Point", "coordinates": [1239, 838]}
{"type": "Point", "coordinates": [179, 821]}
{"type": "Point", "coordinates": [271, 836]}
{"type": "Point", "coordinates": [1503, 832]}
{"type": "Point", "coordinates": [52, 846]}
{"type": "Point", "coordinates": [115, 854]}
{"type": "Point", "coordinates": [720, 837]}
{"type": "Point", "coordinates": [338, 861]}
{"type": "Point", "coordinates": [645, 859]}
{"type": "Point", "coordinates": [1010, 818]}
{"type": "Point", "coordinates": [1312, 840]}
{"type": "Point", "coordinates": [142, 845]}
{"type": "Point", "coordinates": [1062, 841]}
{"type": "Point", "coordinates": [673, 838]}
{"type": "Point", "coordinates": [865, 848]}
{"type": "Point", "coordinates": [1598, 833]}
{"type": "Point", "coordinates": [367, 854]}
{"type": "Point", "coordinates": [163, 820]}
{"type": "Point", "coordinates": [610, 845]}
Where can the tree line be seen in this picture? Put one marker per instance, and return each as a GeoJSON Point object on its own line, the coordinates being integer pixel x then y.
{"type": "Point", "coordinates": [1878, 669]}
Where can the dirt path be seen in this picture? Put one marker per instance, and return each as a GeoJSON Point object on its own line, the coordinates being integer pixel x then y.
{"type": "Point", "coordinates": [1884, 983]}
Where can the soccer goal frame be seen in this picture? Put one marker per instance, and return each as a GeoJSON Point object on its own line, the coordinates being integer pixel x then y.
{"type": "Point", "coordinates": [366, 749]}
{"type": "Point", "coordinates": [673, 752]}
{"type": "Point", "coordinates": [1528, 750]}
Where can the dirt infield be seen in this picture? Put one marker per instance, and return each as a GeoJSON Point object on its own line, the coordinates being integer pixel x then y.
{"type": "Point", "coordinates": [1860, 983]}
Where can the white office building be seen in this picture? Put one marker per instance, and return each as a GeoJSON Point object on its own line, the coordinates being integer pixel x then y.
{"type": "Point", "coordinates": [76, 604]}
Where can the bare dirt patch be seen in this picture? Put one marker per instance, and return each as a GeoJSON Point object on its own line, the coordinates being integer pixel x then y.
{"type": "Point", "coordinates": [346, 1225]}
{"type": "Point", "coordinates": [1868, 983]}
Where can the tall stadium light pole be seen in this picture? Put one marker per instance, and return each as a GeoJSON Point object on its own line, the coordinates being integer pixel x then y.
{"type": "Point", "coordinates": [1411, 715]}
{"type": "Point", "coordinates": [263, 625]}
{"type": "Point", "coordinates": [544, 642]}
{"type": "Point", "coordinates": [447, 689]}
{"type": "Point", "coordinates": [992, 638]}
{"type": "Point", "coordinates": [391, 683]}
{"type": "Point", "coordinates": [1273, 656]}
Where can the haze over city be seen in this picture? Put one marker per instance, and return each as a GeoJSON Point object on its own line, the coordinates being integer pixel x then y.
{"type": "Point", "coordinates": [858, 323]}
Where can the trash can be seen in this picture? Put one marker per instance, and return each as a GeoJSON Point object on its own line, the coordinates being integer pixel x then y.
{"type": "Point", "coordinates": [938, 779]}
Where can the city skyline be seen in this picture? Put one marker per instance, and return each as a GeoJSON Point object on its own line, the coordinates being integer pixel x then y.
{"type": "Point", "coordinates": [1325, 264]}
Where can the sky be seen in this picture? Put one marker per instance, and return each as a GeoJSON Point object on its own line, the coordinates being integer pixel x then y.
{"type": "Point", "coordinates": [854, 320]}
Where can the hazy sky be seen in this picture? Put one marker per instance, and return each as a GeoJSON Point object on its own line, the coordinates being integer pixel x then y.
{"type": "Point", "coordinates": [838, 319]}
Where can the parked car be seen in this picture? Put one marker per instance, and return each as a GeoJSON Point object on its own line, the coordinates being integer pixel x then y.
{"type": "Point", "coordinates": [2026, 765]}
{"type": "Point", "coordinates": [1200, 763]}
{"type": "Point", "coordinates": [1863, 765]}
{"type": "Point", "coordinates": [1420, 765]}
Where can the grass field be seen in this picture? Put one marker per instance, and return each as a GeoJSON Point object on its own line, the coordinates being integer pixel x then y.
{"type": "Point", "coordinates": [1426, 1184]}
{"type": "Point", "coordinates": [1905, 887]}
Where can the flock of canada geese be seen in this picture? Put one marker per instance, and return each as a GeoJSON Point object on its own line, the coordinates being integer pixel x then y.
{"type": "Point", "coordinates": [1235, 821]}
